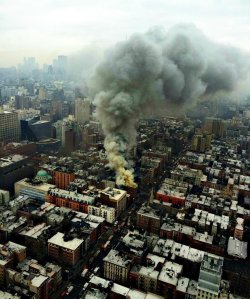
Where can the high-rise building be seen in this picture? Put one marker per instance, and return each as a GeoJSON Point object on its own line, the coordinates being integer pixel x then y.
{"type": "Point", "coordinates": [42, 129]}
{"type": "Point", "coordinates": [214, 126]}
{"type": "Point", "coordinates": [42, 93]}
{"type": "Point", "coordinates": [201, 142]}
{"type": "Point", "coordinates": [210, 277]}
{"type": "Point", "coordinates": [29, 65]}
{"type": "Point", "coordinates": [82, 110]}
{"type": "Point", "coordinates": [9, 126]}
{"type": "Point", "coordinates": [60, 67]}
{"type": "Point", "coordinates": [149, 219]}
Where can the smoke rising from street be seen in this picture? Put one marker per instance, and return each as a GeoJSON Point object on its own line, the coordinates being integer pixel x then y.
{"type": "Point", "coordinates": [176, 67]}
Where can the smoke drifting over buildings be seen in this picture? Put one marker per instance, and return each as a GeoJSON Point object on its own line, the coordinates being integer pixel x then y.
{"type": "Point", "coordinates": [176, 67]}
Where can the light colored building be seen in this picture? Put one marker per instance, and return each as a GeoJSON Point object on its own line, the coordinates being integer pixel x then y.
{"type": "Point", "coordinates": [36, 284]}
{"type": "Point", "coordinates": [24, 114]}
{"type": "Point", "coordinates": [237, 248]}
{"type": "Point", "coordinates": [145, 277]}
{"type": "Point", "coordinates": [18, 202]}
{"type": "Point", "coordinates": [103, 211]}
{"type": "Point", "coordinates": [5, 295]}
{"type": "Point", "coordinates": [169, 277]}
{"type": "Point", "coordinates": [117, 198]}
{"type": "Point", "coordinates": [34, 191]}
{"type": "Point", "coordinates": [210, 277]}
{"type": "Point", "coordinates": [82, 110]}
{"type": "Point", "coordinates": [9, 126]}
{"type": "Point", "coordinates": [116, 266]}
{"type": "Point", "coordinates": [186, 174]}
{"type": "Point", "coordinates": [53, 271]}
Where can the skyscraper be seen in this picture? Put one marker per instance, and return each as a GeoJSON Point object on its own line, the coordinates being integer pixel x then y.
{"type": "Point", "coordinates": [82, 110]}
{"type": "Point", "coordinates": [9, 126]}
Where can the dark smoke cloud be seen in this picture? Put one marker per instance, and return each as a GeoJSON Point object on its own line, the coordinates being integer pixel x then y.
{"type": "Point", "coordinates": [177, 67]}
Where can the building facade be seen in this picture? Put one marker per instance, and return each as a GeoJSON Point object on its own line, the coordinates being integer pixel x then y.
{"type": "Point", "coordinates": [82, 110]}
{"type": "Point", "coordinates": [9, 126]}
{"type": "Point", "coordinates": [210, 277]}
{"type": "Point", "coordinates": [68, 251]}
{"type": "Point", "coordinates": [116, 266]}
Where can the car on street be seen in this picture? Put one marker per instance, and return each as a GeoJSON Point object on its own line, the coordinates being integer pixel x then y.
{"type": "Point", "coordinates": [84, 272]}
{"type": "Point", "coordinates": [96, 269]}
{"type": "Point", "coordinates": [69, 289]}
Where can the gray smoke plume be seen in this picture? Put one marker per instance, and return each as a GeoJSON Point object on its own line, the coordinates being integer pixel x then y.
{"type": "Point", "coordinates": [177, 67]}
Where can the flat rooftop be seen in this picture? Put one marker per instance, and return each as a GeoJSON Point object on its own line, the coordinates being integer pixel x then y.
{"type": "Point", "coordinates": [117, 258]}
{"type": "Point", "coordinates": [170, 273]}
{"type": "Point", "coordinates": [43, 187]}
{"type": "Point", "coordinates": [6, 161]}
{"type": "Point", "coordinates": [58, 240]}
{"type": "Point", "coordinates": [149, 212]}
{"type": "Point", "coordinates": [72, 195]}
{"type": "Point", "coordinates": [114, 194]}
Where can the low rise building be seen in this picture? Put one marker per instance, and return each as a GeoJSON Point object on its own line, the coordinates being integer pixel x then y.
{"type": "Point", "coordinates": [52, 271]}
{"type": "Point", "coordinates": [37, 284]}
{"type": "Point", "coordinates": [103, 211]}
{"type": "Point", "coordinates": [145, 277]}
{"type": "Point", "coordinates": [168, 278]}
{"type": "Point", "coordinates": [70, 199]}
{"type": "Point", "coordinates": [10, 253]}
{"type": "Point", "coordinates": [186, 174]}
{"type": "Point", "coordinates": [36, 191]}
{"type": "Point", "coordinates": [172, 192]}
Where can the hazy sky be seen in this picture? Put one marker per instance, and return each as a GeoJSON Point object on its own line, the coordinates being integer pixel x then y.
{"type": "Point", "coordinates": [46, 28]}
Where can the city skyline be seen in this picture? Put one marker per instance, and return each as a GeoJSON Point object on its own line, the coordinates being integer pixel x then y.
{"type": "Point", "coordinates": [50, 28]}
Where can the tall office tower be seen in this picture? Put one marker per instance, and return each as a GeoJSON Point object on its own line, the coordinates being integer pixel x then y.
{"type": "Point", "coordinates": [60, 67]}
{"type": "Point", "coordinates": [9, 126]}
{"type": "Point", "coordinates": [29, 65]}
{"type": "Point", "coordinates": [68, 135]}
{"type": "Point", "coordinates": [82, 110]}
{"type": "Point", "coordinates": [62, 61]}
{"type": "Point", "coordinates": [42, 93]}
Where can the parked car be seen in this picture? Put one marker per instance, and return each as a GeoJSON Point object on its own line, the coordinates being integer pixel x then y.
{"type": "Point", "coordinates": [84, 272]}
{"type": "Point", "coordinates": [70, 288]}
